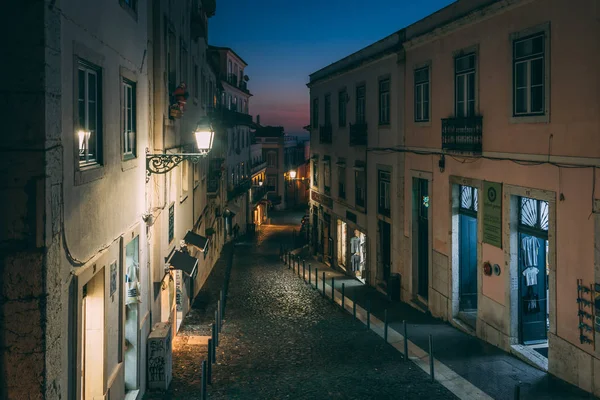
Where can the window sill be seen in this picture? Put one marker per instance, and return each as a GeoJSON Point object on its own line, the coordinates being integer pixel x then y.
{"type": "Point", "coordinates": [183, 198]}
{"type": "Point", "coordinates": [128, 162]}
{"type": "Point", "coordinates": [386, 125]}
{"type": "Point", "coordinates": [88, 174]}
{"type": "Point", "coordinates": [422, 123]}
{"type": "Point", "coordinates": [530, 119]}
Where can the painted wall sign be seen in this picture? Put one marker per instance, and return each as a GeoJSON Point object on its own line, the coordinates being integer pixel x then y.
{"type": "Point", "coordinates": [492, 213]}
{"type": "Point", "coordinates": [321, 198]}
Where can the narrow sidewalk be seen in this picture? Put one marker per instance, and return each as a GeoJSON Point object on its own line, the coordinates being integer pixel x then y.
{"type": "Point", "coordinates": [468, 366]}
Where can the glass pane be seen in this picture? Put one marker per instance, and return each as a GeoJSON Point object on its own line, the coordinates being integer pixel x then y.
{"type": "Point", "coordinates": [528, 211]}
{"type": "Point", "coordinates": [81, 113]}
{"type": "Point", "coordinates": [426, 92]}
{"type": "Point", "coordinates": [471, 86]}
{"type": "Point", "coordinates": [544, 215]}
{"type": "Point", "coordinates": [537, 99]}
{"type": "Point", "coordinates": [537, 71]}
{"type": "Point", "coordinates": [460, 88]}
{"type": "Point", "coordinates": [426, 110]}
{"type": "Point", "coordinates": [521, 74]}
{"type": "Point", "coordinates": [466, 197]}
{"type": "Point", "coordinates": [81, 84]}
{"type": "Point", "coordinates": [92, 116]}
{"type": "Point", "coordinates": [521, 101]}
{"type": "Point", "coordinates": [537, 45]}
{"type": "Point", "coordinates": [476, 198]}
{"type": "Point", "coordinates": [471, 108]}
{"type": "Point", "coordinates": [418, 103]}
{"type": "Point", "coordinates": [91, 86]}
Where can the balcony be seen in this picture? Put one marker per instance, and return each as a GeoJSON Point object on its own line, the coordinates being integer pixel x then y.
{"type": "Point", "coordinates": [462, 134]}
{"type": "Point", "coordinates": [259, 193]}
{"type": "Point", "coordinates": [241, 188]}
{"type": "Point", "coordinates": [230, 118]}
{"type": "Point", "coordinates": [199, 20]}
{"type": "Point", "coordinates": [325, 134]}
{"type": "Point", "coordinates": [257, 166]}
{"type": "Point", "coordinates": [358, 134]}
{"type": "Point", "coordinates": [237, 82]}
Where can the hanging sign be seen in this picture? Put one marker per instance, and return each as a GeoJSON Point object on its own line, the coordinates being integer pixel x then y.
{"type": "Point", "coordinates": [492, 213]}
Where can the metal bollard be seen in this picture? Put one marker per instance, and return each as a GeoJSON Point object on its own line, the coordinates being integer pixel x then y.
{"type": "Point", "coordinates": [368, 315]}
{"type": "Point", "coordinates": [222, 299]}
{"type": "Point", "coordinates": [332, 289]}
{"type": "Point", "coordinates": [288, 260]}
{"type": "Point", "coordinates": [405, 341]}
{"type": "Point", "coordinates": [304, 270]}
{"type": "Point", "coordinates": [354, 309]}
{"type": "Point", "coordinates": [214, 339]}
{"type": "Point", "coordinates": [203, 393]}
{"type": "Point", "coordinates": [209, 366]}
{"type": "Point", "coordinates": [220, 322]}
{"type": "Point", "coordinates": [309, 274]}
{"type": "Point", "coordinates": [343, 295]}
{"type": "Point", "coordinates": [385, 325]}
{"type": "Point", "coordinates": [317, 278]}
{"type": "Point", "coordinates": [431, 358]}
{"type": "Point", "coordinates": [323, 283]}
{"type": "Point", "coordinates": [217, 327]}
{"type": "Point", "coordinates": [298, 265]}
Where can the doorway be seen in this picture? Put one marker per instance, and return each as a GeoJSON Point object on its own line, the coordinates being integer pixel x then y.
{"type": "Point", "coordinates": [467, 253]}
{"type": "Point", "coordinates": [131, 317]}
{"type": "Point", "coordinates": [533, 274]}
{"type": "Point", "coordinates": [385, 250]}
{"type": "Point", "coordinates": [421, 203]}
{"type": "Point", "coordinates": [342, 237]}
{"type": "Point", "coordinates": [92, 337]}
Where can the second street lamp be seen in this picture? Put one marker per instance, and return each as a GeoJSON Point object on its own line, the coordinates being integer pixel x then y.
{"type": "Point", "coordinates": [162, 163]}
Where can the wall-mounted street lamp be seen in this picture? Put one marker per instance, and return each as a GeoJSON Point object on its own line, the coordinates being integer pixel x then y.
{"type": "Point", "coordinates": [163, 163]}
{"type": "Point", "coordinates": [293, 174]}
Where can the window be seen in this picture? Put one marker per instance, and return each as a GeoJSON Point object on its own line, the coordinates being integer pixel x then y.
{"type": "Point", "coordinates": [529, 75]}
{"type": "Point", "coordinates": [272, 159]}
{"type": "Point", "coordinates": [341, 182]}
{"type": "Point", "coordinates": [272, 182]}
{"type": "Point", "coordinates": [89, 103]}
{"type": "Point", "coordinates": [534, 214]}
{"type": "Point", "coordinates": [229, 67]}
{"type": "Point", "coordinates": [171, 222]}
{"type": "Point", "coordinates": [469, 199]}
{"type": "Point", "coordinates": [384, 102]}
{"type": "Point", "coordinates": [183, 54]}
{"type": "Point", "coordinates": [464, 69]}
{"type": "Point", "coordinates": [196, 89]}
{"type": "Point", "coordinates": [360, 104]}
{"type": "Point", "coordinates": [229, 101]}
{"type": "Point", "coordinates": [342, 96]}
{"type": "Point", "coordinates": [130, 5]}
{"type": "Point", "coordinates": [315, 113]}
{"type": "Point", "coordinates": [128, 115]}
{"type": "Point", "coordinates": [171, 62]}
{"type": "Point", "coordinates": [422, 95]}
{"type": "Point", "coordinates": [315, 173]}
{"type": "Point", "coordinates": [327, 109]}
{"type": "Point", "coordinates": [327, 176]}
{"type": "Point", "coordinates": [384, 192]}
{"type": "Point", "coordinates": [359, 187]}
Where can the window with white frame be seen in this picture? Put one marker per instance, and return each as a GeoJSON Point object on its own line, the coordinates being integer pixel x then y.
{"type": "Point", "coordinates": [422, 94]}
{"type": "Point", "coordinates": [89, 101]}
{"type": "Point", "coordinates": [529, 75]}
{"type": "Point", "coordinates": [384, 102]}
{"type": "Point", "coordinates": [464, 69]}
{"type": "Point", "coordinates": [128, 102]}
{"type": "Point", "coordinates": [384, 192]}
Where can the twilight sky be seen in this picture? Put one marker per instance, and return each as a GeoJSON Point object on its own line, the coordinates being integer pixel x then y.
{"type": "Point", "coordinates": [284, 41]}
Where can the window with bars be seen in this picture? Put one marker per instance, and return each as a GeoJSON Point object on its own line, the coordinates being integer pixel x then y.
{"type": "Point", "coordinates": [89, 110]}
{"type": "Point", "coordinates": [128, 113]}
{"type": "Point", "coordinates": [468, 200]}
{"type": "Point", "coordinates": [360, 104]}
{"type": "Point", "coordinates": [384, 102]}
{"type": "Point", "coordinates": [533, 214]}
{"type": "Point", "coordinates": [384, 192]}
{"type": "Point", "coordinates": [171, 222]}
{"type": "Point", "coordinates": [342, 102]}
{"type": "Point", "coordinates": [464, 70]}
{"type": "Point", "coordinates": [422, 95]}
{"type": "Point", "coordinates": [529, 75]}
{"type": "Point", "coordinates": [315, 113]}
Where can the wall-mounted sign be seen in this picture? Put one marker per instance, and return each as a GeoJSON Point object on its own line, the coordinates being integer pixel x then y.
{"type": "Point", "coordinates": [321, 198]}
{"type": "Point", "coordinates": [492, 213]}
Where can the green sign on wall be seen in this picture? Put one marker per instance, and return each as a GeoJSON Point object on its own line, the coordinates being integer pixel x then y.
{"type": "Point", "coordinates": [492, 213]}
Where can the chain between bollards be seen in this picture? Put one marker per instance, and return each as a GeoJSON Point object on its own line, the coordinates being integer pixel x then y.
{"type": "Point", "coordinates": [385, 325]}
{"type": "Point", "coordinates": [405, 341]}
{"type": "Point", "coordinates": [431, 358]}
{"type": "Point", "coordinates": [209, 366]}
{"type": "Point", "coordinates": [203, 394]}
{"type": "Point", "coordinates": [343, 295]}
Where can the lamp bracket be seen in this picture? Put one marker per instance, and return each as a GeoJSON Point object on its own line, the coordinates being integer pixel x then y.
{"type": "Point", "coordinates": [163, 163]}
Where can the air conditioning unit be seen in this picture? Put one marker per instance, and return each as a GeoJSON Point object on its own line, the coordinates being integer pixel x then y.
{"type": "Point", "coordinates": [160, 357]}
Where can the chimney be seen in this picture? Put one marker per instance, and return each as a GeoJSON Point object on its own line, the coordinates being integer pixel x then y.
{"type": "Point", "coordinates": [258, 119]}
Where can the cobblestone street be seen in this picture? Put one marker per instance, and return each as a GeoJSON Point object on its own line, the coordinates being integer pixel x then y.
{"type": "Point", "coordinates": [282, 340]}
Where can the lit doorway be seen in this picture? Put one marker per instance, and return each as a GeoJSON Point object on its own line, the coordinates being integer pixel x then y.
{"type": "Point", "coordinates": [467, 253]}
{"type": "Point", "coordinates": [342, 248]}
{"type": "Point", "coordinates": [92, 338]}
{"type": "Point", "coordinates": [132, 340]}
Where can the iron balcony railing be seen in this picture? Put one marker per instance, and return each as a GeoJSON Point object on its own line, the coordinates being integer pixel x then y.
{"type": "Point", "coordinates": [358, 134]}
{"type": "Point", "coordinates": [257, 166]}
{"type": "Point", "coordinates": [240, 189]}
{"type": "Point", "coordinates": [462, 134]}
{"type": "Point", "coordinates": [325, 134]}
{"type": "Point", "coordinates": [259, 193]}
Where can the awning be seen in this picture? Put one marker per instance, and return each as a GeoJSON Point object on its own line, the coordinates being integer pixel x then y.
{"type": "Point", "coordinates": [196, 240]}
{"type": "Point", "coordinates": [231, 210]}
{"type": "Point", "coordinates": [183, 261]}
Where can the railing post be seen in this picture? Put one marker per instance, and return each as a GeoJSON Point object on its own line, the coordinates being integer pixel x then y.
{"type": "Point", "coordinates": [343, 295]}
{"type": "Point", "coordinates": [298, 265]}
{"type": "Point", "coordinates": [385, 325]}
{"type": "Point", "coordinates": [304, 270]}
{"type": "Point", "coordinates": [220, 322]}
{"type": "Point", "coordinates": [217, 328]}
{"type": "Point", "coordinates": [203, 393]}
{"type": "Point", "coordinates": [354, 309]}
{"type": "Point", "coordinates": [405, 341]}
{"type": "Point", "coordinates": [518, 391]}
{"type": "Point", "coordinates": [309, 274]}
{"type": "Point", "coordinates": [317, 278]}
{"type": "Point", "coordinates": [209, 366]}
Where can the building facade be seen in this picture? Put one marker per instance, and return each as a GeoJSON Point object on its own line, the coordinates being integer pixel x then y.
{"type": "Point", "coordinates": [497, 216]}
{"type": "Point", "coordinates": [271, 141]}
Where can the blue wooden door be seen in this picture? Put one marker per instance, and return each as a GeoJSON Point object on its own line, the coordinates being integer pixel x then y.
{"type": "Point", "coordinates": [467, 256]}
